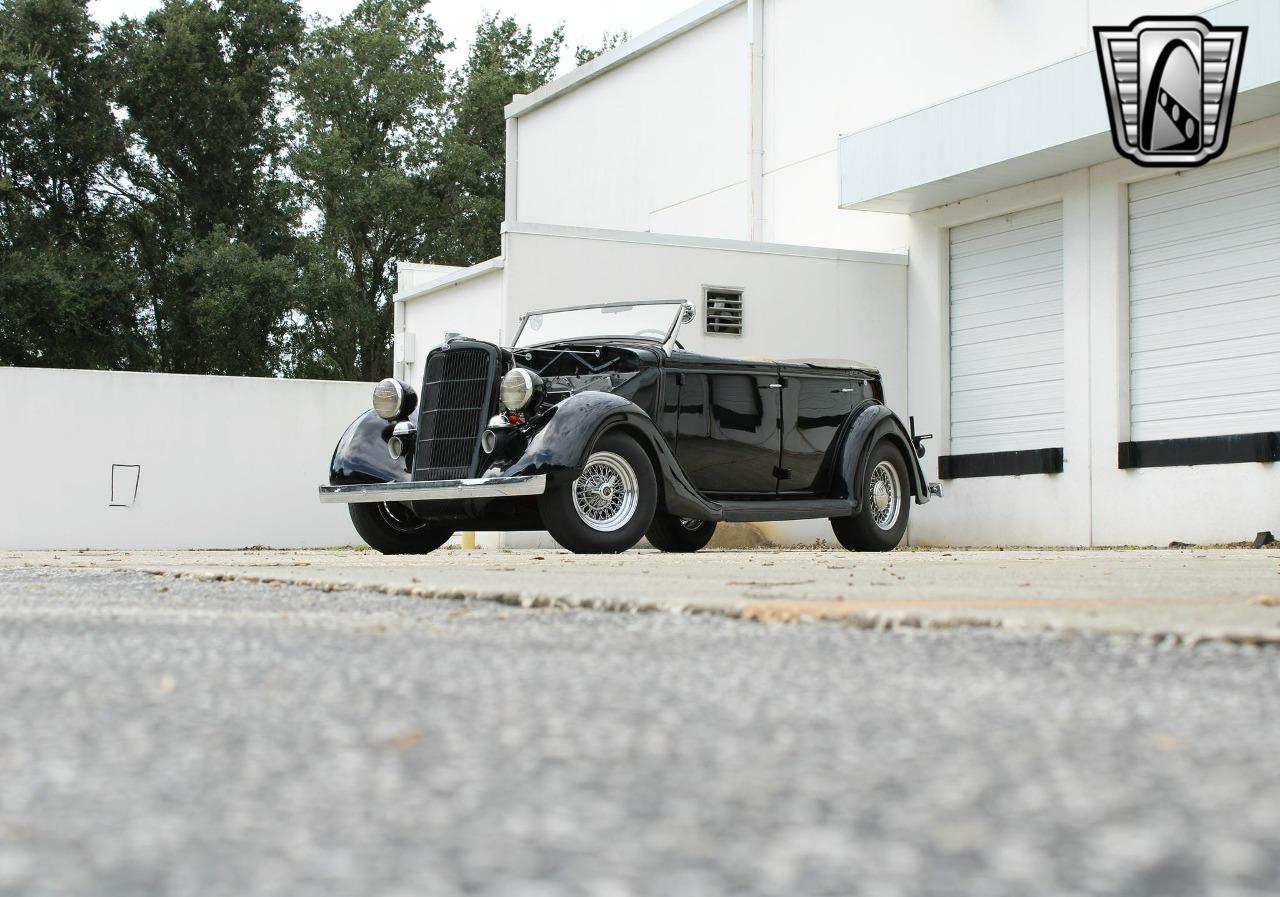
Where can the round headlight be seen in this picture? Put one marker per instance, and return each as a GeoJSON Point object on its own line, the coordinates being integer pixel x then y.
{"type": "Point", "coordinates": [393, 399]}
{"type": "Point", "coordinates": [519, 388]}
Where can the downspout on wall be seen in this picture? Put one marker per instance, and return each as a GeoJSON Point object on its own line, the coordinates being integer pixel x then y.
{"type": "Point", "coordinates": [755, 173]}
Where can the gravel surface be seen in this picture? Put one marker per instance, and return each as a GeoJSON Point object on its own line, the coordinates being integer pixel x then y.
{"type": "Point", "coordinates": [170, 736]}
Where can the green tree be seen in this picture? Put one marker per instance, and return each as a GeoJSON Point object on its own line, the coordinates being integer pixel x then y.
{"type": "Point", "coordinates": [369, 96]}
{"type": "Point", "coordinates": [608, 41]}
{"type": "Point", "coordinates": [65, 296]}
{"type": "Point", "coordinates": [504, 59]}
{"type": "Point", "coordinates": [208, 208]}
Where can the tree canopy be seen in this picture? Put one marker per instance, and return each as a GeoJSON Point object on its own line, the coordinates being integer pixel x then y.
{"type": "Point", "coordinates": [223, 187]}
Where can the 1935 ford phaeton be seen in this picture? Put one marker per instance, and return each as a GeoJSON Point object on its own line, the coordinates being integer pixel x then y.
{"type": "Point", "coordinates": [597, 426]}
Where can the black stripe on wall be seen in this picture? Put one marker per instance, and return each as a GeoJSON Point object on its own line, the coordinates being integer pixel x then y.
{"type": "Point", "coordinates": [1237, 448]}
{"type": "Point", "coordinates": [1000, 464]}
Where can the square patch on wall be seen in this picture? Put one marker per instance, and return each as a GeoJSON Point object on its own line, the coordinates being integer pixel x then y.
{"type": "Point", "coordinates": [124, 484]}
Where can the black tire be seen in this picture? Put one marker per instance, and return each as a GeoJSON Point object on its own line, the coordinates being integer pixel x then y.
{"type": "Point", "coordinates": [679, 534]}
{"type": "Point", "coordinates": [617, 485]}
{"type": "Point", "coordinates": [392, 529]}
{"type": "Point", "coordinates": [867, 530]}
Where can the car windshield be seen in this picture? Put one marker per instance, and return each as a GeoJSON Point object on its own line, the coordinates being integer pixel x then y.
{"type": "Point", "coordinates": [652, 321]}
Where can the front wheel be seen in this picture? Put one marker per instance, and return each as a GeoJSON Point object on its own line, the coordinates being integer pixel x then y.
{"type": "Point", "coordinates": [391, 528]}
{"type": "Point", "coordinates": [610, 505]}
{"type": "Point", "coordinates": [679, 534]}
{"type": "Point", "coordinates": [886, 504]}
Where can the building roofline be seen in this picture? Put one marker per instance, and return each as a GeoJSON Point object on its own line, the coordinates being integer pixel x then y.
{"type": "Point", "coordinates": [637, 46]}
{"type": "Point", "coordinates": [690, 242]}
{"type": "Point", "coordinates": [453, 278]}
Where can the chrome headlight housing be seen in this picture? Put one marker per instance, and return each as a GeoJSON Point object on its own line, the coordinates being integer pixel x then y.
{"type": "Point", "coordinates": [394, 400]}
{"type": "Point", "coordinates": [521, 388]}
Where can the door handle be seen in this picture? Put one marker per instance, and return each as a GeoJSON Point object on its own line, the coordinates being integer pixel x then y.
{"type": "Point", "coordinates": [775, 386]}
{"type": "Point", "coordinates": [849, 389]}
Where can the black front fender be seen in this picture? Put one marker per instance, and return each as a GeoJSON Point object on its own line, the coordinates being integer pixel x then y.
{"type": "Point", "coordinates": [361, 455]}
{"type": "Point", "coordinates": [560, 447]}
{"type": "Point", "coordinates": [870, 424]}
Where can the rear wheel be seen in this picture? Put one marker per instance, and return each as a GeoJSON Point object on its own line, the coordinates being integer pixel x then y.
{"type": "Point", "coordinates": [610, 505]}
{"type": "Point", "coordinates": [391, 528]}
{"type": "Point", "coordinates": [886, 504]}
{"type": "Point", "coordinates": [668, 533]}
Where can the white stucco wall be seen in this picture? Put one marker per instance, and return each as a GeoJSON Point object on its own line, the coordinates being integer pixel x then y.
{"type": "Point", "coordinates": [662, 141]}
{"type": "Point", "coordinates": [1092, 501]}
{"type": "Point", "coordinates": [666, 127]}
{"type": "Point", "coordinates": [225, 462]}
{"type": "Point", "coordinates": [471, 307]}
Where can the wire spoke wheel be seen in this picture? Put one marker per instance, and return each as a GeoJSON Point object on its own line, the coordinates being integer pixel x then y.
{"type": "Point", "coordinates": [605, 495]}
{"type": "Point", "coordinates": [885, 494]}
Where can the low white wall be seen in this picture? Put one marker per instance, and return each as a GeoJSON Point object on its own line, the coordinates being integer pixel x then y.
{"type": "Point", "coordinates": [223, 462]}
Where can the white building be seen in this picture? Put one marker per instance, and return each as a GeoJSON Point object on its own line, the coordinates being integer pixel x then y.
{"type": "Point", "coordinates": [930, 186]}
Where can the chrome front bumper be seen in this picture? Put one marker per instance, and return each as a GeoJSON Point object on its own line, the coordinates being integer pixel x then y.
{"type": "Point", "coordinates": [434, 490]}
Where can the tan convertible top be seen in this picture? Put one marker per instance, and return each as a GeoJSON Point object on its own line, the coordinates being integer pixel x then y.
{"type": "Point", "coordinates": [831, 363]}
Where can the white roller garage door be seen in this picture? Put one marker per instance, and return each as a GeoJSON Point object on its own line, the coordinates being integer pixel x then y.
{"type": "Point", "coordinates": [1204, 300]}
{"type": "Point", "coordinates": [1006, 332]}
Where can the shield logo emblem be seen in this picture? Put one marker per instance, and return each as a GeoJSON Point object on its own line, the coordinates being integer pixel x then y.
{"type": "Point", "coordinates": [1171, 87]}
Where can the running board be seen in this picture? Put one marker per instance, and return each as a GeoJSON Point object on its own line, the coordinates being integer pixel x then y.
{"type": "Point", "coordinates": [753, 511]}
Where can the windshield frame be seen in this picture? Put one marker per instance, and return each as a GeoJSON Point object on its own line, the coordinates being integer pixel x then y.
{"type": "Point", "coordinates": [677, 304]}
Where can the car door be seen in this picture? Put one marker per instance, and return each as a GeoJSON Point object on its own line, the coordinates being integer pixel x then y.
{"type": "Point", "coordinates": [727, 434]}
{"type": "Point", "coordinates": [815, 405]}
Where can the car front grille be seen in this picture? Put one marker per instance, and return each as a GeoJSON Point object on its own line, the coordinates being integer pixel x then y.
{"type": "Point", "coordinates": [457, 390]}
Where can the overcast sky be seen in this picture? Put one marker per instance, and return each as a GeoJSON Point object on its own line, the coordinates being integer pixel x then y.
{"type": "Point", "coordinates": [585, 20]}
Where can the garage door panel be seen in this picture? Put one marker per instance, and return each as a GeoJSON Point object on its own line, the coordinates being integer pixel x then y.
{"type": "Point", "coordinates": [1039, 373]}
{"type": "Point", "coordinates": [1190, 251]}
{"type": "Point", "coordinates": [1050, 292]}
{"type": "Point", "coordinates": [976, 363]}
{"type": "Point", "coordinates": [1015, 428]}
{"type": "Point", "coordinates": [1009, 288]}
{"type": "Point", "coordinates": [1256, 402]}
{"type": "Point", "coordinates": [1209, 425]}
{"type": "Point", "coordinates": [1198, 270]}
{"type": "Point", "coordinates": [964, 234]}
{"type": "Point", "coordinates": [1225, 384]}
{"type": "Point", "coordinates": [1005, 322]}
{"type": "Point", "coordinates": [998, 333]}
{"type": "Point", "coordinates": [979, 264]}
{"type": "Point", "coordinates": [1213, 371]}
{"type": "Point", "coordinates": [1004, 402]}
{"type": "Point", "coordinates": [997, 271]}
{"type": "Point", "coordinates": [1194, 177]}
{"type": "Point", "coordinates": [1188, 188]}
{"type": "Point", "coordinates": [1204, 300]}
{"type": "Point", "coordinates": [1004, 239]}
{"type": "Point", "coordinates": [1208, 297]}
{"type": "Point", "coordinates": [1238, 351]}
{"type": "Point", "coordinates": [1006, 315]}
{"type": "Point", "coordinates": [1189, 225]}
{"type": "Point", "coordinates": [1211, 321]}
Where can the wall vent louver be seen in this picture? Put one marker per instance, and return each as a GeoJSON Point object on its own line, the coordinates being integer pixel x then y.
{"type": "Point", "coordinates": [723, 311]}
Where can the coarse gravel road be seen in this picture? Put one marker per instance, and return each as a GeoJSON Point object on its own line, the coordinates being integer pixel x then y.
{"type": "Point", "coordinates": [181, 737]}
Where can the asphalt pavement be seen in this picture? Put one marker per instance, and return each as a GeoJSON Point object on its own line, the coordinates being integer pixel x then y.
{"type": "Point", "coordinates": [175, 736]}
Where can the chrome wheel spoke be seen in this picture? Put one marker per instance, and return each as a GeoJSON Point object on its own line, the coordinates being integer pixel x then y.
{"type": "Point", "coordinates": [605, 495]}
{"type": "Point", "coordinates": [884, 493]}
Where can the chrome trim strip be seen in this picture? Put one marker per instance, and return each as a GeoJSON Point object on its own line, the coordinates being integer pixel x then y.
{"type": "Point", "coordinates": [434, 490]}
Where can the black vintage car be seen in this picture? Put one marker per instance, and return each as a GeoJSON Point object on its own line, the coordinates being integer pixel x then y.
{"type": "Point", "coordinates": [597, 426]}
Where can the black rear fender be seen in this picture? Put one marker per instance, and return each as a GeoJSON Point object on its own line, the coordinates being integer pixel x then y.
{"type": "Point", "coordinates": [871, 423]}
